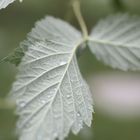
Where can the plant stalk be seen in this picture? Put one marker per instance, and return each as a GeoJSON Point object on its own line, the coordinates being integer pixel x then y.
{"type": "Point", "coordinates": [77, 12]}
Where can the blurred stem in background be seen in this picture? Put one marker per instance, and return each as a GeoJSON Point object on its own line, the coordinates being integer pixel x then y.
{"type": "Point", "coordinates": [118, 5]}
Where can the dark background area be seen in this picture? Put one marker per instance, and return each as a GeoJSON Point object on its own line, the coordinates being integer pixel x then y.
{"type": "Point", "coordinates": [18, 19]}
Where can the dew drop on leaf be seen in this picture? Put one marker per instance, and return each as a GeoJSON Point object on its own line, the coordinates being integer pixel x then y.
{"type": "Point", "coordinates": [62, 62]}
{"type": "Point", "coordinates": [68, 96]}
{"type": "Point", "coordinates": [22, 104]}
{"type": "Point", "coordinates": [78, 114]}
{"type": "Point", "coordinates": [49, 96]}
{"type": "Point", "coordinates": [43, 101]}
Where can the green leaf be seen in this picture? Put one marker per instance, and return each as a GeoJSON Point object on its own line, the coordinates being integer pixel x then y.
{"type": "Point", "coordinates": [52, 97]}
{"type": "Point", "coordinates": [116, 41]}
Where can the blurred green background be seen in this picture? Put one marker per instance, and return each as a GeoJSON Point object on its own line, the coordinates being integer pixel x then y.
{"type": "Point", "coordinates": [18, 19]}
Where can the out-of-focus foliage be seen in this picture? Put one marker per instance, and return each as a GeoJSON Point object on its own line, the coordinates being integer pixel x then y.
{"type": "Point", "coordinates": [18, 19]}
{"type": "Point", "coordinates": [5, 3]}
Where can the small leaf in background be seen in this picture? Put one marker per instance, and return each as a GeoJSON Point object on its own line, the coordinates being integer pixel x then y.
{"type": "Point", "coordinates": [52, 97]}
{"type": "Point", "coordinates": [5, 3]}
{"type": "Point", "coordinates": [16, 56]}
{"type": "Point", "coordinates": [116, 41]}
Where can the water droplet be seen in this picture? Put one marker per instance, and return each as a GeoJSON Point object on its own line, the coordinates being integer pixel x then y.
{"type": "Point", "coordinates": [62, 62]}
{"type": "Point", "coordinates": [22, 104]}
{"type": "Point", "coordinates": [68, 96]}
{"type": "Point", "coordinates": [43, 101]}
{"type": "Point", "coordinates": [49, 96]}
{"type": "Point", "coordinates": [78, 114]}
{"type": "Point", "coordinates": [80, 125]}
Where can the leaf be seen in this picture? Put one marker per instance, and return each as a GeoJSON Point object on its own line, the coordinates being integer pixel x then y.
{"type": "Point", "coordinates": [116, 41]}
{"type": "Point", "coordinates": [52, 97]}
{"type": "Point", "coordinates": [5, 3]}
{"type": "Point", "coordinates": [16, 56]}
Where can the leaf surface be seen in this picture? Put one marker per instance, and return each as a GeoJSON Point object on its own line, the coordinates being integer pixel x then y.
{"type": "Point", "coordinates": [52, 97]}
{"type": "Point", "coordinates": [116, 41]}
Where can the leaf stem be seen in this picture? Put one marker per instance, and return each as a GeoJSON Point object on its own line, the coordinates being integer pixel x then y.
{"type": "Point", "coordinates": [77, 12]}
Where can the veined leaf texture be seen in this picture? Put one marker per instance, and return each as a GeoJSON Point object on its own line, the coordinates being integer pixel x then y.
{"type": "Point", "coordinates": [52, 97]}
